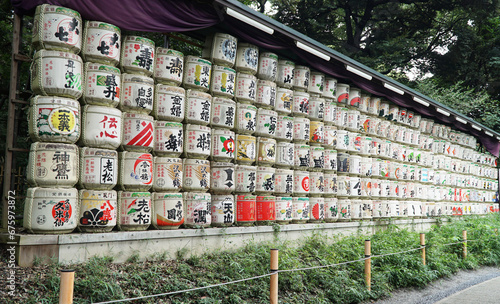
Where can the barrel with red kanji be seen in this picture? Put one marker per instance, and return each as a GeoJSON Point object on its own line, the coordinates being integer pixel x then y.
{"type": "Point", "coordinates": [138, 132]}
{"type": "Point", "coordinates": [265, 209]}
{"type": "Point", "coordinates": [167, 210]}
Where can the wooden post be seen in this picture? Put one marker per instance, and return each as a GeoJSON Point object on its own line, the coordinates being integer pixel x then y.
{"type": "Point", "coordinates": [368, 265]}
{"type": "Point", "coordinates": [496, 231]}
{"type": "Point", "coordinates": [274, 277]}
{"type": "Point", "coordinates": [464, 238]}
{"type": "Point", "coordinates": [66, 287]}
{"type": "Point", "coordinates": [422, 245]}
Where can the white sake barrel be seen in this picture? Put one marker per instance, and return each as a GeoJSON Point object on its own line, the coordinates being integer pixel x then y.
{"type": "Point", "coordinates": [246, 149]}
{"type": "Point", "coordinates": [316, 108]}
{"type": "Point", "coordinates": [284, 154]}
{"type": "Point", "coordinates": [197, 141]}
{"type": "Point", "coordinates": [137, 93]}
{"type": "Point", "coordinates": [197, 209]}
{"type": "Point", "coordinates": [266, 94]}
{"type": "Point", "coordinates": [268, 66]}
{"type": "Point", "coordinates": [342, 93]}
{"type": "Point", "coordinates": [317, 209]}
{"type": "Point", "coordinates": [343, 185]}
{"type": "Point", "coordinates": [57, 73]}
{"type": "Point", "coordinates": [103, 85]}
{"type": "Point", "coordinates": [246, 118]}
{"type": "Point", "coordinates": [341, 117]}
{"type": "Point", "coordinates": [355, 186]}
{"type": "Point", "coordinates": [197, 73]}
{"type": "Point", "coordinates": [167, 210]}
{"type": "Point", "coordinates": [101, 43]}
{"type": "Point", "coordinates": [330, 90]}
{"type": "Point", "coordinates": [316, 83]}
{"type": "Point", "coordinates": [265, 179]}
{"type": "Point", "coordinates": [50, 210]}
{"type": "Point", "coordinates": [54, 119]}
{"type": "Point", "coordinates": [316, 183]}
{"type": "Point", "coordinates": [330, 183]}
{"type": "Point", "coordinates": [366, 187]}
{"type": "Point", "coordinates": [198, 106]}
{"type": "Point", "coordinates": [221, 49]}
{"type": "Point", "coordinates": [374, 106]}
{"type": "Point", "coordinates": [57, 28]}
{"type": "Point", "coordinates": [331, 209]}
{"type": "Point", "coordinates": [284, 101]}
{"type": "Point", "coordinates": [283, 206]}
{"type": "Point", "coordinates": [330, 138]}
{"type": "Point", "coordinates": [196, 175]}
{"type": "Point", "coordinates": [98, 168]}
{"type": "Point", "coordinates": [364, 122]}
{"type": "Point", "coordinates": [300, 210]}
{"type": "Point", "coordinates": [301, 76]}
{"type": "Point", "coordinates": [167, 174]}
{"type": "Point", "coordinates": [403, 116]}
{"type": "Point", "coordinates": [169, 103]}
{"type": "Point", "coordinates": [223, 177]}
{"type": "Point", "coordinates": [301, 127]}
{"type": "Point", "coordinates": [373, 125]}
{"type": "Point", "coordinates": [134, 211]}
{"type": "Point", "coordinates": [266, 151]}
{"type": "Point", "coordinates": [316, 132]}
{"type": "Point", "coordinates": [245, 178]}
{"type": "Point", "coordinates": [383, 128]}
{"type": "Point", "coordinates": [366, 166]}
{"type": "Point", "coordinates": [266, 122]}
{"type": "Point", "coordinates": [223, 145]}
{"type": "Point", "coordinates": [53, 165]}
{"type": "Point", "coordinates": [138, 132]}
{"type": "Point", "coordinates": [300, 104]}
{"type": "Point", "coordinates": [223, 210]}
{"type": "Point", "coordinates": [246, 88]}
{"type": "Point", "coordinates": [353, 120]}
{"type": "Point", "coordinates": [223, 113]}
{"type": "Point", "coordinates": [169, 66]}
{"type": "Point", "coordinates": [344, 206]}
{"type": "Point", "coordinates": [136, 171]}
{"type": "Point", "coordinates": [364, 103]}
{"type": "Point", "coordinates": [384, 110]}
{"type": "Point", "coordinates": [101, 127]}
{"type": "Point", "coordinates": [356, 209]}
{"type": "Point", "coordinates": [223, 81]}
{"type": "Point", "coordinates": [302, 156]}
{"type": "Point", "coordinates": [330, 160]}
{"type": "Point", "coordinates": [98, 210]}
{"type": "Point", "coordinates": [284, 128]}
{"type": "Point", "coordinates": [317, 158]}
{"type": "Point", "coordinates": [300, 182]}
{"type": "Point", "coordinates": [168, 139]}
{"type": "Point", "coordinates": [138, 55]}
{"type": "Point", "coordinates": [284, 181]}
{"type": "Point", "coordinates": [342, 140]}
{"type": "Point", "coordinates": [354, 97]}
{"type": "Point", "coordinates": [247, 58]}
{"type": "Point", "coordinates": [284, 77]}
{"type": "Point", "coordinates": [376, 167]}
{"type": "Point", "coordinates": [330, 112]}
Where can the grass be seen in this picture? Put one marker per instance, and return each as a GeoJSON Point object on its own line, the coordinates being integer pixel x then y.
{"type": "Point", "coordinates": [100, 280]}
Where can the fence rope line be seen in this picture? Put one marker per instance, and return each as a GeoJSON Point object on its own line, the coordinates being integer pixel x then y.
{"type": "Point", "coordinates": [278, 271]}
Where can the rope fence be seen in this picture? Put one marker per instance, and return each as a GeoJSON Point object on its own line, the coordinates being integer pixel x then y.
{"type": "Point", "coordinates": [274, 271]}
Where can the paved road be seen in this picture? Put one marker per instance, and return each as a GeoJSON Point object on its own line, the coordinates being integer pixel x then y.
{"type": "Point", "coordinates": [480, 286]}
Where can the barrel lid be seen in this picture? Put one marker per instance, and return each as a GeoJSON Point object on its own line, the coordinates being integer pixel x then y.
{"type": "Point", "coordinates": [284, 198]}
{"type": "Point", "coordinates": [191, 127]}
{"type": "Point", "coordinates": [97, 194]}
{"type": "Point", "coordinates": [240, 75]}
{"type": "Point", "coordinates": [102, 110]}
{"type": "Point", "coordinates": [266, 140]}
{"type": "Point", "coordinates": [301, 146]}
{"type": "Point", "coordinates": [195, 59]}
{"type": "Point", "coordinates": [60, 54]}
{"type": "Point", "coordinates": [38, 99]}
{"type": "Point", "coordinates": [247, 197]}
{"type": "Point", "coordinates": [266, 82]}
{"type": "Point", "coordinates": [54, 192]}
{"type": "Point", "coordinates": [245, 167]}
{"type": "Point", "coordinates": [129, 155]}
{"type": "Point", "coordinates": [192, 161]}
{"type": "Point", "coordinates": [223, 68]}
{"type": "Point", "coordinates": [266, 169]}
{"type": "Point", "coordinates": [165, 195]}
{"type": "Point", "coordinates": [197, 94]}
{"type": "Point", "coordinates": [286, 62]}
{"type": "Point", "coordinates": [300, 199]}
{"type": "Point", "coordinates": [285, 117]}
{"type": "Point", "coordinates": [222, 132]}
{"type": "Point", "coordinates": [245, 137]}
{"type": "Point", "coordinates": [165, 51]}
{"type": "Point", "coordinates": [261, 111]}
{"type": "Point", "coordinates": [87, 151]}
{"type": "Point", "coordinates": [301, 119]}
{"type": "Point", "coordinates": [102, 26]}
{"type": "Point", "coordinates": [215, 164]}
{"type": "Point", "coordinates": [137, 115]}
{"type": "Point", "coordinates": [270, 55]}
{"type": "Point", "coordinates": [300, 93]}
{"type": "Point", "coordinates": [48, 8]}
{"type": "Point", "coordinates": [126, 77]}
{"type": "Point", "coordinates": [140, 39]}
{"type": "Point", "coordinates": [217, 99]}
{"type": "Point", "coordinates": [98, 67]}
{"type": "Point", "coordinates": [169, 124]}
{"type": "Point", "coordinates": [284, 171]}
{"type": "Point", "coordinates": [164, 160]}
{"type": "Point", "coordinates": [197, 196]}
{"type": "Point", "coordinates": [317, 148]}
{"type": "Point", "coordinates": [37, 146]}
{"type": "Point", "coordinates": [302, 67]}
{"type": "Point", "coordinates": [222, 196]}
{"type": "Point", "coordinates": [317, 98]}
{"type": "Point", "coordinates": [246, 106]}
{"type": "Point", "coordinates": [128, 194]}
{"type": "Point", "coordinates": [266, 197]}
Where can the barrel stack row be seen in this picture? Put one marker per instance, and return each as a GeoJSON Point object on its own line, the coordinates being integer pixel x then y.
{"type": "Point", "coordinates": [237, 136]}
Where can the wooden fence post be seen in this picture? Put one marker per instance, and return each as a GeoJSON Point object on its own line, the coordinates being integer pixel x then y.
{"type": "Point", "coordinates": [274, 277]}
{"type": "Point", "coordinates": [422, 245]}
{"type": "Point", "coordinates": [66, 286]}
{"type": "Point", "coordinates": [368, 265]}
{"type": "Point", "coordinates": [464, 238]}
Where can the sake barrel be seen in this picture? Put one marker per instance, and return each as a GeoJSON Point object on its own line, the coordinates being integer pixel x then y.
{"type": "Point", "coordinates": [330, 90]}
{"type": "Point", "coordinates": [284, 155]}
{"type": "Point", "coordinates": [331, 209]}
{"type": "Point", "coordinates": [245, 178]}
{"type": "Point", "coordinates": [54, 119]}
{"type": "Point", "coordinates": [169, 66]}
{"type": "Point", "coordinates": [137, 93]}
{"type": "Point", "coordinates": [364, 103]}
{"type": "Point", "coordinates": [343, 185]}
{"type": "Point", "coordinates": [247, 58]}
{"type": "Point", "coordinates": [98, 168]}
{"type": "Point", "coordinates": [196, 175]}
{"type": "Point", "coordinates": [316, 83]}
{"type": "Point", "coordinates": [167, 174]}
{"type": "Point", "coordinates": [101, 127]}
{"type": "Point", "coordinates": [268, 66]}
{"type": "Point", "coordinates": [343, 163]}
{"type": "Point", "coordinates": [245, 210]}
{"type": "Point", "coordinates": [374, 106]}
{"type": "Point", "coordinates": [221, 49]}
{"type": "Point", "coordinates": [300, 210]}
{"type": "Point", "coordinates": [355, 186]}
{"type": "Point", "coordinates": [266, 122]}
{"type": "Point", "coordinates": [316, 183]}
{"type": "Point", "coordinates": [223, 211]}
{"type": "Point", "coordinates": [316, 108]}
{"type": "Point", "coordinates": [223, 145]}
{"type": "Point", "coordinates": [57, 28]}
{"type": "Point", "coordinates": [353, 120]}
{"type": "Point", "coordinates": [138, 55]}
{"type": "Point", "coordinates": [341, 117]}
{"type": "Point", "coordinates": [316, 132]}
{"type": "Point", "coordinates": [265, 182]}
{"type": "Point", "coordinates": [57, 73]}
{"type": "Point", "coordinates": [134, 211]}
{"type": "Point", "coordinates": [197, 73]}
{"type": "Point", "coordinates": [136, 171]}
{"type": "Point", "coordinates": [101, 43]}
{"type": "Point", "coordinates": [300, 182]}
{"type": "Point", "coordinates": [98, 210]}
{"type": "Point", "coordinates": [330, 183]}
{"type": "Point", "coordinates": [266, 151]}
{"type": "Point", "coordinates": [344, 206]}
{"type": "Point", "coordinates": [102, 85]}
{"type": "Point", "coordinates": [342, 140]}
{"type": "Point", "coordinates": [403, 116]}
{"type": "Point", "coordinates": [301, 76]}
{"type": "Point", "coordinates": [383, 128]}
{"type": "Point", "coordinates": [246, 88]}
{"type": "Point", "coordinates": [53, 165]}
{"type": "Point", "coordinates": [284, 128]}
{"type": "Point", "coordinates": [301, 127]}
{"type": "Point", "coordinates": [167, 210]}
{"type": "Point", "coordinates": [283, 209]}
{"type": "Point", "coordinates": [168, 138]}
{"type": "Point", "coordinates": [342, 93]}
{"type": "Point", "coordinates": [266, 94]}
{"type": "Point", "coordinates": [246, 118]}
{"type": "Point", "coordinates": [317, 209]}
{"type": "Point", "coordinates": [285, 74]}
{"type": "Point", "coordinates": [223, 81]}
{"type": "Point", "coordinates": [223, 177]}
{"type": "Point", "coordinates": [354, 97]}
{"type": "Point", "coordinates": [300, 104]}
{"type": "Point", "coordinates": [198, 106]}
{"type": "Point", "coordinates": [50, 210]}
{"type": "Point", "coordinates": [265, 209]}
{"type": "Point", "coordinates": [138, 132]}
{"type": "Point", "coordinates": [169, 103]}
{"type": "Point", "coordinates": [317, 158]}
{"type": "Point", "coordinates": [330, 160]}
{"type": "Point", "coordinates": [197, 141]}
{"type": "Point", "coordinates": [356, 209]}
{"type": "Point", "coordinates": [284, 101]}
{"type": "Point", "coordinates": [284, 181]}
{"type": "Point", "coordinates": [302, 156]}
{"type": "Point", "coordinates": [197, 209]}
{"type": "Point", "coordinates": [330, 112]}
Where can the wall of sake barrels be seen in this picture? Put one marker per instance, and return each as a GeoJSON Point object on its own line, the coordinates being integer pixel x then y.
{"type": "Point", "coordinates": [131, 136]}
